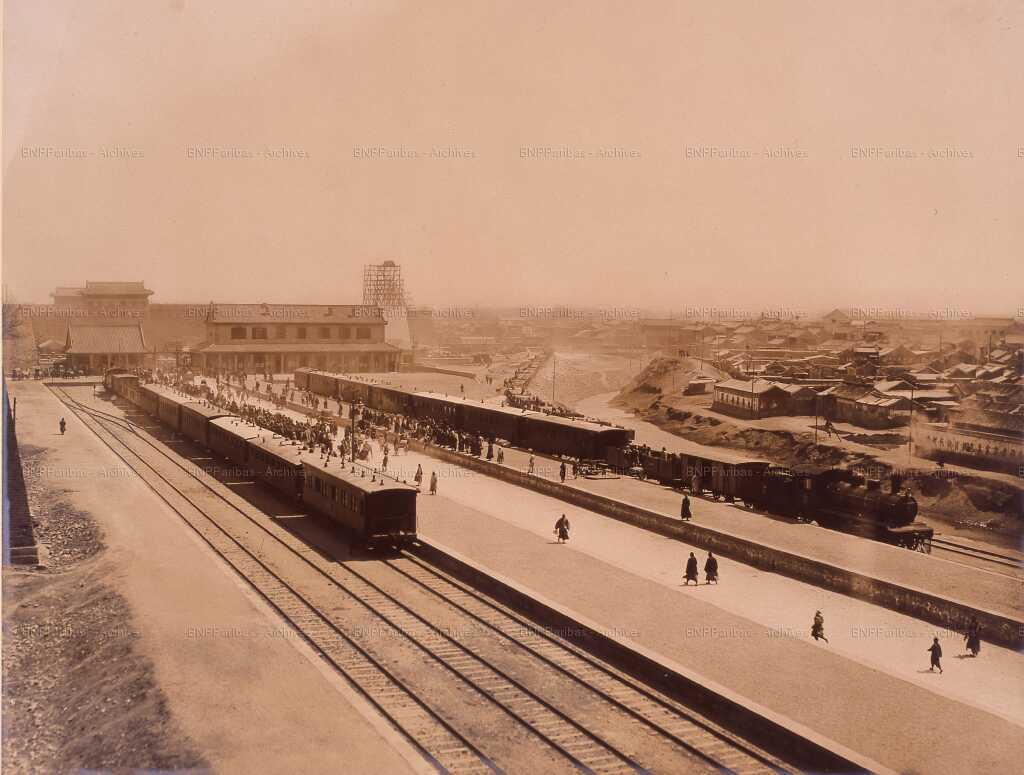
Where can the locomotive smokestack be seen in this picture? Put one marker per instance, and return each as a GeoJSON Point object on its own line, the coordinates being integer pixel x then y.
{"type": "Point", "coordinates": [895, 480]}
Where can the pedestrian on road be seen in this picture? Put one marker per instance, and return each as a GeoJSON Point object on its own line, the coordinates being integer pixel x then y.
{"type": "Point", "coordinates": [561, 472]}
{"type": "Point", "coordinates": [691, 571]}
{"type": "Point", "coordinates": [818, 628]}
{"type": "Point", "coordinates": [63, 426]}
{"type": "Point", "coordinates": [418, 478]}
{"type": "Point", "coordinates": [562, 529]}
{"type": "Point", "coordinates": [936, 652]}
{"type": "Point", "coordinates": [684, 509]}
{"type": "Point", "coordinates": [973, 637]}
{"type": "Point", "coordinates": [433, 482]}
{"type": "Point", "coordinates": [711, 569]}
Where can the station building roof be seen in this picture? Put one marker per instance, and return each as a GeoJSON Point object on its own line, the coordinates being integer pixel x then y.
{"type": "Point", "coordinates": [105, 338]}
{"type": "Point", "coordinates": [297, 347]}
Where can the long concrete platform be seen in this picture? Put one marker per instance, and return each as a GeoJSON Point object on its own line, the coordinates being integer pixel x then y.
{"type": "Point", "coordinates": [940, 591]}
{"type": "Point", "coordinates": [242, 685]}
{"type": "Point", "coordinates": [895, 713]}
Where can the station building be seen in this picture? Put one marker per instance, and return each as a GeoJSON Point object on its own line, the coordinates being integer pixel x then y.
{"type": "Point", "coordinates": [93, 347]}
{"type": "Point", "coordinates": [280, 338]}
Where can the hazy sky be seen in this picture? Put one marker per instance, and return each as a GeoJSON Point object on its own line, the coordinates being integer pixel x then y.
{"type": "Point", "coordinates": [295, 95]}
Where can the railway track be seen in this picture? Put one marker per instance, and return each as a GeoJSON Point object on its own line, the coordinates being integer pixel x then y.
{"type": "Point", "coordinates": [976, 553]}
{"type": "Point", "coordinates": [506, 662]}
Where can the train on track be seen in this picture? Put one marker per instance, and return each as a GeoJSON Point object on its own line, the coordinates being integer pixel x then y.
{"type": "Point", "coordinates": [374, 509]}
{"type": "Point", "coordinates": [832, 497]}
{"type": "Point", "coordinates": [545, 433]}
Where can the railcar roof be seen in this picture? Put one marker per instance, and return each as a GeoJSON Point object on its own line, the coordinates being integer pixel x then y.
{"type": "Point", "coordinates": [344, 474]}
{"type": "Point", "coordinates": [236, 426]}
{"type": "Point", "coordinates": [209, 412]}
{"type": "Point", "coordinates": [284, 450]}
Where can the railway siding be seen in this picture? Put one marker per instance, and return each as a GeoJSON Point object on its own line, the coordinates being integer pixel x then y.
{"type": "Point", "coordinates": [1000, 628]}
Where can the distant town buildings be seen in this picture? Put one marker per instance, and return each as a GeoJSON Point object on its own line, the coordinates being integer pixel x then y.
{"type": "Point", "coordinates": [104, 298]}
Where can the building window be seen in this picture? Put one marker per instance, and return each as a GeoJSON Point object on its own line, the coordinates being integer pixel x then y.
{"type": "Point", "coordinates": [362, 332]}
{"type": "Point", "coordinates": [281, 332]}
{"type": "Point", "coordinates": [238, 332]}
{"type": "Point", "coordinates": [344, 332]}
{"type": "Point", "coordinates": [325, 332]}
{"type": "Point", "coordinates": [259, 332]}
{"type": "Point", "coordinates": [301, 332]}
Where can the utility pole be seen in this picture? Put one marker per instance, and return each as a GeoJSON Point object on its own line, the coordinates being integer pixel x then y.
{"type": "Point", "coordinates": [553, 359]}
{"type": "Point", "coordinates": [910, 427]}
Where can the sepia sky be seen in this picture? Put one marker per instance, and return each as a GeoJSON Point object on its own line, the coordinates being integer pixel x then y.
{"type": "Point", "coordinates": [792, 155]}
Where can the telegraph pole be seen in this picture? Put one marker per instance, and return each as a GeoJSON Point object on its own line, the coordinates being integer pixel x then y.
{"type": "Point", "coordinates": [553, 359]}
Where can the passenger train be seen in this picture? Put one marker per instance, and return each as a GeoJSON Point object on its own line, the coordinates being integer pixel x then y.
{"type": "Point", "coordinates": [374, 509]}
{"type": "Point", "coordinates": [832, 497]}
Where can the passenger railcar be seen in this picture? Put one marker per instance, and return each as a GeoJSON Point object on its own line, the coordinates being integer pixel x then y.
{"type": "Point", "coordinates": [374, 509]}
{"type": "Point", "coordinates": [169, 408]}
{"type": "Point", "coordinates": [195, 421]}
{"type": "Point", "coordinates": [277, 462]}
{"type": "Point", "coordinates": [110, 374]}
{"type": "Point", "coordinates": [230, 438]}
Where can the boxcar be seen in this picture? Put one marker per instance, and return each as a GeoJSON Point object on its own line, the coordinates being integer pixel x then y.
{"type": "Point", "coordinates": [123, 384]}
{"type": "Point", "coordinates": [195, 420]}
{"type": "Point", "coordinates": [302, 378]}
{"type": "Point", "coordinates": [437, 407]}
{"type": "Point", "coordinates": [502, 422]}
{"type": "Point", "coordinates": [323, 383]}
{"type": "Point", "coordinates": [229, 437]}
{"type": "Point", "coordinates": [108, 377]}
{"type": "Point", "coordinates": [373, 509]}
{"type": "Point", "coordinates": [566, 436]}
{"type": "Point", "coordinates": [388, 398]}
{"type": "Point", "coordinates": [352, 390]}
{"type": "Point", "coordinates": [278, 463]}
{"type": "Point", "coordinates": [149, 400]}
{"type": "Point", "coordinates": [169, 408]}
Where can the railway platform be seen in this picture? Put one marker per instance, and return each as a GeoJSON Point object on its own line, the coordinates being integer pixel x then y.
{"type": "Point", "coordinates": [239, 683]}
{"type": "Point", "coordinates": [868, 689]}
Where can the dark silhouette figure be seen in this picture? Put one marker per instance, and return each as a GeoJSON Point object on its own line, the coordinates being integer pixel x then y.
{"type": "Point", "coordinates": [711, 568]}
{"type": "Point", "coordinates": [684, 509]}
{"type": "Point", "coordinates": [936, 652]}
{"type": "Point", "coordinates": [691, 571]}
{"type": "Point", "coordinates": [562, 529]}
{"type": "Point", "coordinates": [63, 426]}
{"type": "Point", "coordinates": [973, 637]}
{"type": "Point", "coordinates": [818, 628]}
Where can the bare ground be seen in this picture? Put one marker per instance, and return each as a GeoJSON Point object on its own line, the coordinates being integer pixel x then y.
{"type": "Point", "coordinates": [77, 694]}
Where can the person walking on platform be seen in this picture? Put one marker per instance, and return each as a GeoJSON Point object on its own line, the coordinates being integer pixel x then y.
{"type": "Point", "coordinates": [936, 652]}
{"type": "Point", "coordinates": [384, 462]}
{"type": "Point", "coordinates": [684, 509]}
{"type": "Point", "coordinates": [418, 478]}
{"type": "Point", "coordinates": [691, 571]}
{"type": "Point", "coordinates": [63, 426]}
{"type": "Point", "coordinates": [501, 456]}
{"type": "Point", "coordinates": [973, 637]}
{"type": "Point", "coordinates": [818, 628]}
{"type": "Point", "coordinates": [711, 569]}
{"type": "Point", "coordinates": [561, 472]}
{"type": "Point", "coordinates": [562, 529]}
{"type": "Point", "coordinates": [529, 470]}
{"type": "Point", "coordinates": [433, 482]}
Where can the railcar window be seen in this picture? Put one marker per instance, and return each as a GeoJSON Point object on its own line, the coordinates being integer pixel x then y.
{"type": "Point", "coordinates": [301, 333]}
{"type": "Point", "coordinates": [238, 332]}
{"type": "Point", "coordinates": [362, 332]}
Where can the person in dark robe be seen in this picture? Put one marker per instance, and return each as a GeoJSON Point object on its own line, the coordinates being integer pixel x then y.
{"type": "Point", "coordinates": [562, 529]}
{"type": "Point", "coordinates": [691, 571]}
{"type": "Point", "coordinates": [433, 482]}
{"type": "Point", "coordinates": [818, 627]}
{"type": "Point", "coordinates": [973, 637]}
{"type": "Point", "coordinates": [418, 478]}
{"type": "Point", "coordinates": [561, 472]}
{"type": "Point", "coordinates": [936, 652]}
{"type": "Point", "coordinates": [711, 569]}
{"type": "Point", "coordinates": [63, 426]}
{"type": "Point", "coordinates": [684, 509]}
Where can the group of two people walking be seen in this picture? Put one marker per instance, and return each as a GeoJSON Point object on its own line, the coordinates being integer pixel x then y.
{"type": "Point", "coordinates": [710, 570]}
